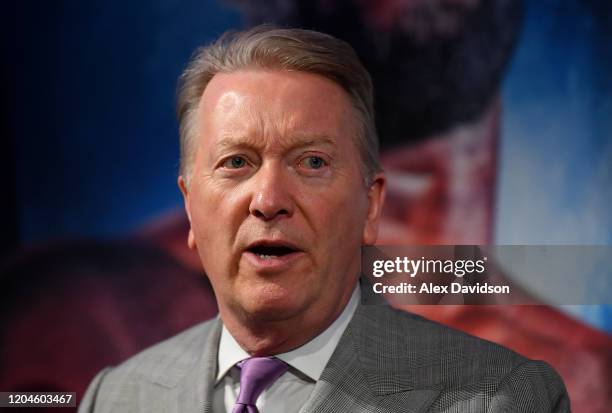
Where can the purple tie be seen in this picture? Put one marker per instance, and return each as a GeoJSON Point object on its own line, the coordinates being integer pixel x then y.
{"type": "Point", "coordinates": [256, 373]}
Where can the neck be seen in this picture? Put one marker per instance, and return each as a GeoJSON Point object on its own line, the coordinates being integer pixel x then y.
{"type": "Point", "coordinates": [262, 337]}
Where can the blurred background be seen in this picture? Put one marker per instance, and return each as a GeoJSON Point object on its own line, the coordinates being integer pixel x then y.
{"type": "Point", "coordinates": [495, 118]}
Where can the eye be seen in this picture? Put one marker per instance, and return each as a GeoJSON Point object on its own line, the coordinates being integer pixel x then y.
{"type": "Point", "coordinates": [235, 162]}
{"type": "Point", "coordinates": [313, 162]}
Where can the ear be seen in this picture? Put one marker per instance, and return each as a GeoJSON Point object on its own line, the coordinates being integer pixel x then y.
{"type": "Point", "coordinates": [376, 199]}
{"type": "Point", "coordinates": [185, 191]}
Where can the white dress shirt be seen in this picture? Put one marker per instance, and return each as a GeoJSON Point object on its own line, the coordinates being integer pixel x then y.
{"type": "Point", "coordinates": [290, 391]}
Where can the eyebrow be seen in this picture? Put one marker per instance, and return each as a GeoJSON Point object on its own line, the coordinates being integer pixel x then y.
{"type": "Point", "coordinates": [290, 143]}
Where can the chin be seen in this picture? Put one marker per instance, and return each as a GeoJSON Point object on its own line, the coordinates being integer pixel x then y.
{"type": "Point", "coordinates": [273, 304]}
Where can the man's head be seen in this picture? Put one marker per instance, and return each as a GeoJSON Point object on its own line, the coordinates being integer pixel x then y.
{"type": "Point", "coordinates": [274, 181]}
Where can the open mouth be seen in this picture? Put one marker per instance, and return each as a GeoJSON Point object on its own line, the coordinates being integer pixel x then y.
{"type": "Point", "coordinates": [271, 251]}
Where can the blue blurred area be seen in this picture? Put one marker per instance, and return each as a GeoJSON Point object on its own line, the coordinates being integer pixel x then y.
{"type": "Point", "coordinates": [97, 143]}
{"type": "Point", "coordinates": [556, 152]}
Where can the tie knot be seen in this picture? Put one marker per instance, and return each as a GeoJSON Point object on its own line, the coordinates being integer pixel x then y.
{"type": "Point", "coordinates": [257, 373]}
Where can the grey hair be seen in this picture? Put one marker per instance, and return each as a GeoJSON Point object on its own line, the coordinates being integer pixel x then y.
{"type": "Point", "coordinates": [268, 47]}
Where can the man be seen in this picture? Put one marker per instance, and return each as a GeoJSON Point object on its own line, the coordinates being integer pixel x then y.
{"type": "Point", "coordinates": [282, 186]}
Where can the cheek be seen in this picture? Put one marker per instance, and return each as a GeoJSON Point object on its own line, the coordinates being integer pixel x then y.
{"type": "Point", "coordinates": [341, 220]}
{"type": "Point", "coordinates": [215, 218]}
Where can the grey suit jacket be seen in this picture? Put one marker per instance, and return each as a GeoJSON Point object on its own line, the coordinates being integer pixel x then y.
{"type": "Point", "coordinates": [386, 361]}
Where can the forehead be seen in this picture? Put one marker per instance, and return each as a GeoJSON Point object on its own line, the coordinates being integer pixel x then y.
{"type": "Point", "coordinates": [263, 104]}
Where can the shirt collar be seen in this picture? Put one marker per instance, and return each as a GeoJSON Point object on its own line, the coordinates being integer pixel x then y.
{"type": "Point", "coordinates": [310, 358]}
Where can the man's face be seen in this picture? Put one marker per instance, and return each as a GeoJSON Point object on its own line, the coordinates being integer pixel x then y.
{"type": "Point", "coordinates": [277, 202]}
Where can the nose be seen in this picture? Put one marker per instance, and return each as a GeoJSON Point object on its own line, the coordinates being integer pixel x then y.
{"type": "Point", "coordinates": [272, 196]}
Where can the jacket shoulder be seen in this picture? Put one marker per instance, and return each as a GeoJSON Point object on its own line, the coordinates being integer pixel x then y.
{"type": "Point", "coordinates": [161, 366]}
{"type": "Point", "coordinates": [384, 328]}
{"type": "Point", "coordinates": [166, 361]}
{"type": "Point", "coordinates": [471, 373]}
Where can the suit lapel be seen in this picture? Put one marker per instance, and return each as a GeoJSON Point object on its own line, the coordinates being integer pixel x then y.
{"type": "Point", "coordinates": [194, 392]}
{"type": "Point", "coordinates": [371, 369]}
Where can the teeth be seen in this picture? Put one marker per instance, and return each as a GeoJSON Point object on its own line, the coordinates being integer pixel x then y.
{"type": "Point", "coordinates": [266, 257]}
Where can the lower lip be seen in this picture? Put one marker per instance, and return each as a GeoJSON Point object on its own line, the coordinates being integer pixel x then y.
{"type": "Point", "coordinates": [274, 263]}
